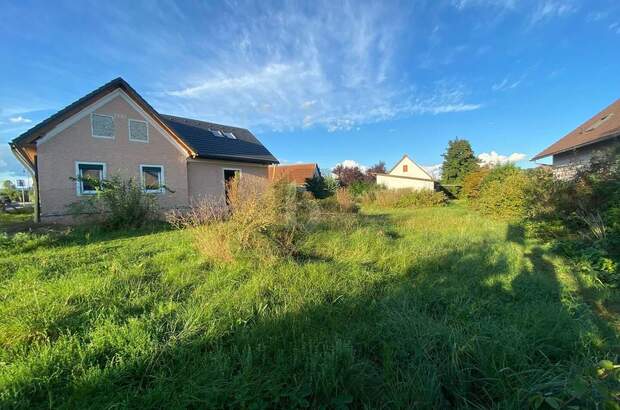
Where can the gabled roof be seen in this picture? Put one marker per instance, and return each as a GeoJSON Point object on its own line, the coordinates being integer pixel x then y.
{"type": "Point", "coordinates": [604, 125]}
{"type": "Point", "coordinates": [297, 173]}
{"type": "Point", "coordinates": [415, 163]}
{"type": "Point", "coordinates": [199, 135]}
{"type": "Point", "coordinates": [49, 123]}
{"type": "Point", "coordinates": [193, 135]}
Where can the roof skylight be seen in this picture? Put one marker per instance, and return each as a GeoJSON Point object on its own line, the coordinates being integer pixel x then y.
{"type": "Point", "coordinates": [600, 122]}
{"type": "Point", "coordinates": [230, 135]}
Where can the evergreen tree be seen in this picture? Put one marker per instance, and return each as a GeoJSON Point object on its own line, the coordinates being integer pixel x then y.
{"type": "Point", "coordinates": [459, 160]}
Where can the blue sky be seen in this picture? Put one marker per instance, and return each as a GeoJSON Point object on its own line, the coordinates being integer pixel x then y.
{"type": "Point", "coordinates": [325, 81]}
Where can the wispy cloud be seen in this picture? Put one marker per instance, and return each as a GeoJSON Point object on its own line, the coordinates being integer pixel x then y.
{"type": "Point", "coordinates": [324, 66]}
{"type": "Point", "coordinates": [19, 120]}
{"type": "Point", "coordinates": [615, 27]}
{"type": "Point", "coordinates": [596, 16]}
{"type": "Point", "coordinates": [549, 9]}
{"type": "Point", "coordinates": [507, 84]}
{"type": "Point", "coordinates": [504, 4]}
{"type": "Point", "coordinates": [493, 158]}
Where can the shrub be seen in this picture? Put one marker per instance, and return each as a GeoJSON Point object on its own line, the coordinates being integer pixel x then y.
{"type": "Point", "coordinates": [119, 203]}
{"type": "Point", "coordinates": [361, 187]}
{"type": "Point", "coordinates": [321, 187]}
{"type": "Point", "coordinates": [345, 201]}
{"type": "Point", "coordinates": [502, 193]}
{"type": "Point", "coordinates": [405, 198]}
{"type": "Point", "coordinates": [266, 220]}
{"type": "Point", "coordinates": [472, 183]}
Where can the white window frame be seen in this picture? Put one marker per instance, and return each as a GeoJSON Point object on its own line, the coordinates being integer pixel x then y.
{"type": "Point", "coordinates": [224, 169]}
{"type": "Point", "coordinates": [230, 135]}
{"type": "Point", "coordinates": [92, 130]}
{"type": "Point", "coordinates": [129, 131]}
{"type": "Point", "coordinates": [78, 182]}
{"type": "Point", "coordinates": [162, 182]}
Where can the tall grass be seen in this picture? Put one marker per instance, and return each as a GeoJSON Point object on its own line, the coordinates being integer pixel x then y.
{"type": "Point", "coordinates": [426, 308]}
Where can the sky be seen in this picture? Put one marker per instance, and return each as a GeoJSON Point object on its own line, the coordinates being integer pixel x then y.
{"type": "Point", "coordinates": [325, 81]}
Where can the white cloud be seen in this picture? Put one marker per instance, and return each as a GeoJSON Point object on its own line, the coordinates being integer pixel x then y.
{"type": "Point", "coordinates": [615, 27]}
{"type": "Point", "coordinates": [329, 66]}
{"type": "Point", "coordinates": [349, 163]}
{"type": "Point", "coordinates": [493, 158]}
{"type": "Point", "coordinates": [550, 9]}
{"type": "Point", "coordinates": [19, 120]}
{"type": "Point", "coordinates": [434, 170]}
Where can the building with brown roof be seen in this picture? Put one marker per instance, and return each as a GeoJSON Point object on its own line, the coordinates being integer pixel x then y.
{"type": "Point", "coordinates": [576, 149]}
{"type": "Point", "coordinates": [297, 174]}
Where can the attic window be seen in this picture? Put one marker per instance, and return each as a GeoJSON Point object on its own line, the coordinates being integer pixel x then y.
{"type": "Point", "coordinates": [217, 133]}
{"type": "Point", "coordinates": [138, 131]}
{"type": "Point", "coordinates": [600, 122]}
{"type": "Point", "coordinates": [405, 168]}
{"type": "Point", "coordinates": [230, 135]}
{"type": "Point", "coordinates": [102, 126]}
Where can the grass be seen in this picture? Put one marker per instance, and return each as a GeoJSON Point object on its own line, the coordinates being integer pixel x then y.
{"type": "Point", "coordinates": [15, 220]}
{"type": "Point", "coordinates": [427, 308]}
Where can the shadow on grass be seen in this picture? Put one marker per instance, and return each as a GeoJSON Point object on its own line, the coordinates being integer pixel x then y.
{"type": "Point", "coordinates": [49, 236]}
{"type": "Point", "coordinates": [462, 328]}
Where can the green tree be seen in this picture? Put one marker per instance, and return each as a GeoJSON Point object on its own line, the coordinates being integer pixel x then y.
{"type": "Point", "coordinates": [459, 160]}
{"type": "Point", "coordinates": [9, 190]}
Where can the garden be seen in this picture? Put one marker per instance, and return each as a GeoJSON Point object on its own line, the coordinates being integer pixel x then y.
{"type": "Point", "coordinates": [353, 296]}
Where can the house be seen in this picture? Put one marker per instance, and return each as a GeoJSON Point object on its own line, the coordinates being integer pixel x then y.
{"type": "Point", "coordinates": [113, 130]}
{"type": "Point", "coordinates": [296, 174]}
{"type": "Point", "coordinates": [406, 174]}
{"type": "Point", "coordinates": [576, 149]}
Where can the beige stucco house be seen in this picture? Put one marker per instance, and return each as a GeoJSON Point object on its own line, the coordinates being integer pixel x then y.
{"type": "Point", "coordinates": [576, 149]}
{"type": "Point", "coordinates": [406, 174]}
{"type": "Point", "coordinates": [113, 130]}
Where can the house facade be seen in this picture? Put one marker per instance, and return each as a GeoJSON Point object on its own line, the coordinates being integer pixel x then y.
{"type": "Point", "coordinates": [114, 131]}
{"type": "Point", "coordinates": [406, 174]}
{"type": "Point", "coordinates": [594, 137]}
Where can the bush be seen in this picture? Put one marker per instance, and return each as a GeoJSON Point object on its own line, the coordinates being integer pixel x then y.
{"type": "Point", "coordinates": [119, 203]}
{"type": "Point", "coordinates": [502, 193]}
{"type": "Point", "coordinates": [321, 187]}
{"type": "Point", "coordinates": [472, 183]}
{"type": "Point", "coordinates": [358, 188]}
{"type": "Point", "coordinates": [266, 220]}
{"type": "Point", "coordinates": [405, 198]}
{"type": "Point", "coordinates": [580, 216]}
{"type": "Point", "coordinates": [345, 201]}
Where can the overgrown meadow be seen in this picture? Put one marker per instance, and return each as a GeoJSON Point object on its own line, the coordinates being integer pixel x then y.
{"type": "Point", "coordinates": [387, 308]}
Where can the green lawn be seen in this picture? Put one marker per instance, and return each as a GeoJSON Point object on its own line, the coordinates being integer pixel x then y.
{"type": "Point", "coordinates": [428, 308]}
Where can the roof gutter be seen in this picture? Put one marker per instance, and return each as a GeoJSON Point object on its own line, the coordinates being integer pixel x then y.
{"type": "Point", "coordinates": [22, 159]}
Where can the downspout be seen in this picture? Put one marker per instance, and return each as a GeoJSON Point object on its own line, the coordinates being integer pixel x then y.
{"type": "Point", "coordinates": [32, 170]}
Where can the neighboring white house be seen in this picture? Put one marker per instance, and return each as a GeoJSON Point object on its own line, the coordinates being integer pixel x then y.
{"type": "Point", "coordinates": [406, 174]}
